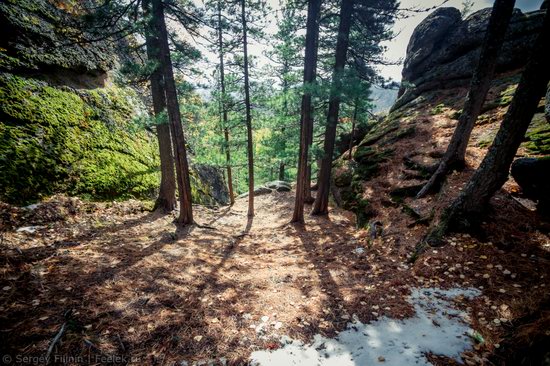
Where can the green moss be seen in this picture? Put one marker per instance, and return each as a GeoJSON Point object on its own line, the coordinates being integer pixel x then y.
{"type": "Point", "coordinates": [537, 138]}
{"type": "Point", "coordinates": [438, 109]}
{"type": "Point", "coordinates": [368, 161]}
{"type": "Point", "coordinates": [54, 140]}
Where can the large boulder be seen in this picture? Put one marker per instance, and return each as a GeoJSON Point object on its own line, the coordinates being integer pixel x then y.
{"type": "Point", "coordinates": [210, 187]}
{"type": "Point", "coordinates": [45, 38]}
{"type": "Point", "coordinates": [533, 176]}
{"type": "Point", "coordinates": [428, 35]}
{"type": "Point", "coordinates": [279, 186]}
{"type": "Point", "coordinates": [444, 49]}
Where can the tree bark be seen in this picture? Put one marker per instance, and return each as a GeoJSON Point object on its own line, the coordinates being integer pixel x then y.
{"type": "Point", "coordinates": [493, 171]}
{"type": "Point", "coordinates": [480, 83]}
{"type": "Point", "coordinates": [303, 181]}
{"type": "Point", "coordinates": [353, 119]}
{"type": "Point", "coordinates": [166, 200]}
{"type": "Point", "coordinates": [281, 170]}
{"type": "Point", "coordinates": [250, 147]}
{"type": "Point", "coordinates": [176, 129]}
{"type": "Point", "coordinates": [320, 206]}
{"type": "Point", "coordinates": [224, 109]}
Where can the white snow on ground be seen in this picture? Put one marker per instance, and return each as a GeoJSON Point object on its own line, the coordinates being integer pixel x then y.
{"type": "Point", "coordinates": [437, 327]}
{"type": "Point", "coordinates": [29, 229]}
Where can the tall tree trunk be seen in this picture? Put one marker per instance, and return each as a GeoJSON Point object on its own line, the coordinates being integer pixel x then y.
{"type": "Point", "coordinates": [353, 119]}
{"type": "Point", "coordinates": [493, 171]}
{"type": "Point", "coordinates": [320, 207]}
{"type": "Point", "coordinates": [306, 124]}
{"type": "Point", "coordinates": [454, 157]}
{"type": "Point", "coordinates": [176, 129]}
{"type": "Point", "coordinates": [250, 147]}
{"type": "Point", "coordinates": [224, 108]}
{"type": "Point", "coordinates": [166, 200]}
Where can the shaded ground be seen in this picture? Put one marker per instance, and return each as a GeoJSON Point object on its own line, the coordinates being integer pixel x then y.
{"type": "Point", "coordinates": [126, 283]}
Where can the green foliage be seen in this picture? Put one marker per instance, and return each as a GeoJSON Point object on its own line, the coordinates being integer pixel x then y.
{"type": "Point", "coordinates": [54, 140]}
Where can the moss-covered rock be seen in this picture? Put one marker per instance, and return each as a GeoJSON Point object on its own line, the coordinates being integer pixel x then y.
{"type": "Point", "coordinates": [368, 161]}
{"type": "Point", "coordinates": [54, 140]}
{"type": "Point", "coordinates": [537, 138]}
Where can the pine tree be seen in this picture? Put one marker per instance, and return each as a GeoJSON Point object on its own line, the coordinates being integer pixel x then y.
{"type": "Point", "coordinates": [176, 129]}
{"type": "Point", "coordinates": [306, 121]}
{"type": "Point", "coordinates": [250, 146]}
{"type": "Point", "coordinates": [321, 201]}
{"type": "Point", "coordinates": [166, 200]}
{"type": "Point", "coordinates": [223, 104]}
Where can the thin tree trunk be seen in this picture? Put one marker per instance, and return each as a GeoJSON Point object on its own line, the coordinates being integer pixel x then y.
{"type": "Point", "coordinates": [176, 129]}
{"type": "Point", "coordinates": [493, 171]}
{"type": "Point", "coordinates": [224, 108]}
{"type": "Point", "coordinates": [303, 181]}
{"type": "Point", "coordinates": [353, 119]}
{"type": "Point", "coordinates": [250, 147]}
{"type": "Point", "coordinates": [308, 198]}
{"type": "Point", "coordinates": [320, 206]}
{"type": "Point", "coordinates": [166, 200]}
{"type": "Point", "coordinates": [455, 155]}
{"type": "Point", "coordinates": [281, 170]}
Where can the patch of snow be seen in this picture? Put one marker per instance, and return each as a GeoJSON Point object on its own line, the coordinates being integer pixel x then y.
{"type": "Point", "coordinates": [29, 229]}
{"type": "Point", "coordinates": [32, 206]}
{"type": "Point", "coordinates": [359, 250]}
{"type": "Point", "coordinates": [437, 327]}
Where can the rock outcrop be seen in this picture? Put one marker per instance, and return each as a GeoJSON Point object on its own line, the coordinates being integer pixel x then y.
{"type": "Point", "coordinates": [42, 40]}
{"type": "Point", "coordinates": [533, 176]}
{"type": "Point", "coordinates": [400, 152]}
{"type": "Point", "coordinates": [444, 49]}
{"type": "Point", "coordinates": [63, 127]}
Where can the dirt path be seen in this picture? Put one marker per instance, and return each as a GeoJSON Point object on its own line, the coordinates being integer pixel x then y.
{"type": "Point", "coordinates": [126, 283]}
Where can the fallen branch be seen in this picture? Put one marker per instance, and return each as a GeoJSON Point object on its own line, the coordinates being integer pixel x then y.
{"type": "Point", "coordinates": [55, 340]}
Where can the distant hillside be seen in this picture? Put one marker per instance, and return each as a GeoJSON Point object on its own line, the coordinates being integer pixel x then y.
{"type": "Point", "coordinates": [383, 99]}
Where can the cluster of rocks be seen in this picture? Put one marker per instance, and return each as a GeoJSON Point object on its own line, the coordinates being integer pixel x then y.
{"type": "Point", "coordinates": [270, 187]}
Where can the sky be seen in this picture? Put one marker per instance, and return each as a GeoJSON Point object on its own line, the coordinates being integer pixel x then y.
{"type": "Point", "coordinates": [397, 48]}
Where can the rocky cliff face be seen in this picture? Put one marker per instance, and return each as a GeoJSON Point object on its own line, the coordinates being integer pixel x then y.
{"type": "Point", "coordinates": [444, 49]}
{"type": "Point", "coordinates": [64, 126]}
{"type": "Point", "coordinates": [400, 152]}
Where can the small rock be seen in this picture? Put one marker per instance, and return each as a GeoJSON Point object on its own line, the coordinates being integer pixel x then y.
{"type": "Point", "coordinates": [197, 338]}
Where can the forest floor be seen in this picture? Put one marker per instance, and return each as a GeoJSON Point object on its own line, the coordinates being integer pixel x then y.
{"type": "Point", "coordinates": [120, 284]}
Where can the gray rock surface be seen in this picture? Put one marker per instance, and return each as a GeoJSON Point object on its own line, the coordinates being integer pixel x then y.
{"type": "Point", "coordinates": [212, 178]}
{"type": "Point", "coordinates": [279, 186]}
{"type": "Point", "coordinates": [444, 49]}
